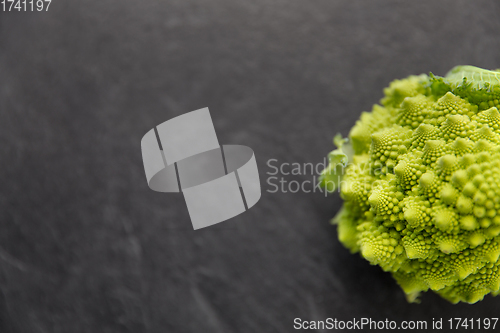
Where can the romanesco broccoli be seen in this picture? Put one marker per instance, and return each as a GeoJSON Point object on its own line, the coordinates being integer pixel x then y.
{"type": "Point", "coordinates": [421, 185]}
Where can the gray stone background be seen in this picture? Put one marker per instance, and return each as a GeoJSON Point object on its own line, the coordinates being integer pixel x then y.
{"type": "Point", "coordinates": [85, 246]}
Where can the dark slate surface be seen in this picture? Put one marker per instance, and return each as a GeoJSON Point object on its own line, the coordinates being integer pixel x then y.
{"type": "Point", "coordinates": [85, 246]}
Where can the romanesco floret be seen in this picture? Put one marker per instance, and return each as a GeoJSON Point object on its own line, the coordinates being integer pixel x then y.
{"type": "Point", "coordinates": [421, 188]}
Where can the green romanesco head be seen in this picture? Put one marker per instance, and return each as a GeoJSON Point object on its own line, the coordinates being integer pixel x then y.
{"type": "Point", "coordinates": [421, 186]}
